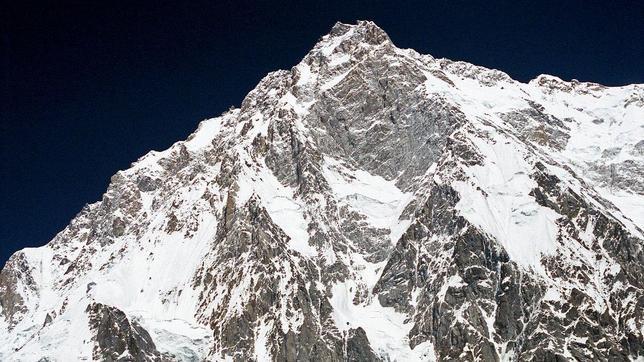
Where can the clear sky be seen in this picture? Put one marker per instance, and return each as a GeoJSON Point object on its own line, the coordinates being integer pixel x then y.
{"type": "Point", "coordinates": [88, 87]}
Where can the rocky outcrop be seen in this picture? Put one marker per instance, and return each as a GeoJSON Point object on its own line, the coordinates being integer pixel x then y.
{"type": "Point", "coordinates": [116, 338]}
{"type": "Point", "coordinates": [15, 276]}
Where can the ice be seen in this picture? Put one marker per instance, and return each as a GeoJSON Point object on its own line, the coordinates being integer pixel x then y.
{"type": "Point", "coordinates": [184, 340]}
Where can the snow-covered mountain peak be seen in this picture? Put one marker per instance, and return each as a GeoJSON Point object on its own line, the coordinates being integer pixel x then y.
{"type": "Point", "coordinates": [363, 31]}
{"type": "Point", "coordinates": [371, 203]}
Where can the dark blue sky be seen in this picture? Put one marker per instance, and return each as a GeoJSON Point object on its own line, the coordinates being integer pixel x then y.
{"type": "Point", "coordinates": [87, 88]}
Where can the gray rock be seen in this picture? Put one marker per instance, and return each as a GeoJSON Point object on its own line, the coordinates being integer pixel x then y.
{"type": "Point", "coordinates": [119, 339]}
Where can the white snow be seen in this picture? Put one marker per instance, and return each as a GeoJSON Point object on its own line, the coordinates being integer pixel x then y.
{"type": "Point", "coordinates": [305, 75]}
{"type": "Point", "coordinates": [631, 204]}
{"type": "Point", "coordinates": [526, 229]}
{"type": "Point", "coordinates": [56, 339]}
{"type": "Point", "coordinates": [300, 108]}
{"type": "Point", "coordinates": [329, 43]}
{"type": "Point", "coordinates": [262, 353]}
{"type": "Point", "coordinates": [379, 200]}
{"type": "Point", "coordinates": [338, 59]}
{"type": "Point", "coordinates": [385, 328]}
{"type": "Point", "coordinates": [206, 132]}
{"type": "Point", "coordinates": [280, 203]}
{"type": "Point", "coordinates": [334, 81]}
{"type": "Point", "coordinates": [185, 340]}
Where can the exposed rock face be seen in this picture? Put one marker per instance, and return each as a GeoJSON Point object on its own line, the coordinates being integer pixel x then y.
{"type": "Point", "coordinates": [369, 204]}
{"type": "Point", "coordinates": [117, 338]}
{"type": "Point", "coordinates": [16, 276]}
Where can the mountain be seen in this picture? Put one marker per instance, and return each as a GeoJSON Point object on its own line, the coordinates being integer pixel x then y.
{"type": "Point", "coordinates": [371, 203]}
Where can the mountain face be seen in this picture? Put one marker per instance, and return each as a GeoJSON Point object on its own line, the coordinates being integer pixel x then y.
{"type": "Point", "coordinates": [370, 204]}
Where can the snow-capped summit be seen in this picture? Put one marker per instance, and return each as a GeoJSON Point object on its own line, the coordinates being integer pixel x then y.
{"type": "Point", "coordinates": [371, 203]}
